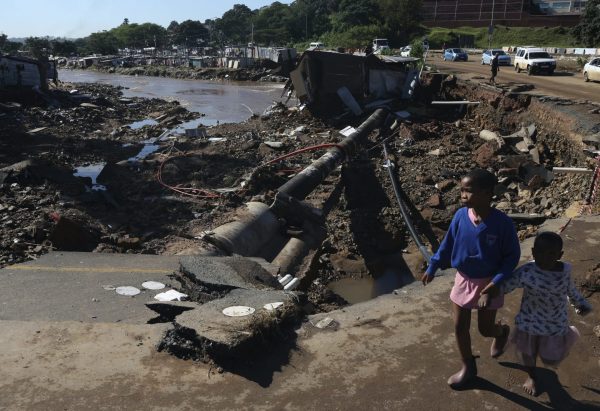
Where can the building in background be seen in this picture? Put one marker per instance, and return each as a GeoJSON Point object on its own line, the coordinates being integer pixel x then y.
{"type": "Point", "coordinates": [455, 13]}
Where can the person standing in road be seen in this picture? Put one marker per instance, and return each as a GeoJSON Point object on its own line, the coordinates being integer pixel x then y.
{"type": "Point", "coordinates": [495, 68]}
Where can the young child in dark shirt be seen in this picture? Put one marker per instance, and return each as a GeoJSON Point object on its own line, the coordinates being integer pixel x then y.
{"type": "Point", "coordinates": [483, 246]}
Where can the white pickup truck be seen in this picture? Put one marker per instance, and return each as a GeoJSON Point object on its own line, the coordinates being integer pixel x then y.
{"type": "Point", "coordinates": [534, 60]}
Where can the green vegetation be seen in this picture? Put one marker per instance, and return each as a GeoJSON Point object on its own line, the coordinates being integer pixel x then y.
{"type": "Point", "coordinates": [587, 32]}
{"type": "Point", "coordinates": [503, 36]}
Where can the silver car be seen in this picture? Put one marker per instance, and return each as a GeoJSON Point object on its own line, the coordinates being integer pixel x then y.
{"type": "Point", "coordinates": [591, 71]}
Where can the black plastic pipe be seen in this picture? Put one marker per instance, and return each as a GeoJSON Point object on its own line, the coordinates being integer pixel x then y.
{"type": "Point", "coordinates": [403, 208]}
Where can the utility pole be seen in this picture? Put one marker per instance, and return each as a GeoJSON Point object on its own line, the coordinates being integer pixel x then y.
{"type": "Point", "coordinates": [491, 28]}
{"type": "Point", "coordinates": [306, 26]}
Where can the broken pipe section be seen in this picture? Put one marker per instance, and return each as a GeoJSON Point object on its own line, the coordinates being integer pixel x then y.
{"type": "Point", "coordinates": [259, 223]}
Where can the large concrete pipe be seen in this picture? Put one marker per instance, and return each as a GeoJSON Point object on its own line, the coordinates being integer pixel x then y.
{"type": "Point", "coordinates": [255, 226]}
{"type": "Point", "coordinates": [308, 179]}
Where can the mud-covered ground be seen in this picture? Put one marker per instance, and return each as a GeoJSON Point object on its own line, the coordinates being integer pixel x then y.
{"type": "Point", "coordinates": [204, 179]}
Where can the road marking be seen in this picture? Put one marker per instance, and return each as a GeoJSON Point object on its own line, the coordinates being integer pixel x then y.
{"type": "Point", "coordinates": [89, 269]}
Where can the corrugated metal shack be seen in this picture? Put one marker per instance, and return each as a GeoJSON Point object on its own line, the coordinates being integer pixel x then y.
{"type": "Point", "coordinates": [19, 72]}
{"type": "Point", "coordinates": [323, 76]}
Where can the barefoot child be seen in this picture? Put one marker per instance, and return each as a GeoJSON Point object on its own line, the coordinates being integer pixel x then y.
{"type": "Point", "coordinates": [542, 328]}
{"type": "Point", "coordinates": [482, 245]}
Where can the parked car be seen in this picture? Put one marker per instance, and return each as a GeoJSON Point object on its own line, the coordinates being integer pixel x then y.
{"type": "Point", "coordinates": [405, 51]}
{"type": "Point", "coordinates": [591, 71]}
{"type": "Point", "coordinates": [455, 55]}
{"type": "Point", "coordinates": [535, 61]}
{"type": "Point", "coordinates": [503, 58]}
{"type": "Point", "coordinates": [379, 45]}
{"type": "Point", "coordinates": [316, 45]}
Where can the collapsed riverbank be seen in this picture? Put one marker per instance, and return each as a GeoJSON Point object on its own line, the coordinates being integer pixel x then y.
{"type": "Point", "coordinates": [208, 174]}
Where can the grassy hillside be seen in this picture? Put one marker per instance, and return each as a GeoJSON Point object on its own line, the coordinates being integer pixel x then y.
{"type": "Point", "coordinates": [503, 36]}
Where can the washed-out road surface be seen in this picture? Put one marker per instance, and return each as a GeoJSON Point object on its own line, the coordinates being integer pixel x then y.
{"type": "Point", "coordinates": [563, 84]}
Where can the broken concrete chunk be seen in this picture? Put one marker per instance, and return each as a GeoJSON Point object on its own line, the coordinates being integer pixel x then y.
{"type": "Point", "coordinates": [488, 135]}
{"type": "Point", "coordinates": [89, 105]}
{"type": "Point", "coordinates": [273, 144]}
{"type": "Point", "coordinates": [522, 146]}
{"type": "Point", "coordinates": [445, 185]}
{"type": "Point", "coordinates": [327, 322]}
{"type": "Point", "coordinates": [436, 152]}
{"type": "Point", "coordinates": [434, 201]}
{"type": "Point", "coordinates": [485, 155]}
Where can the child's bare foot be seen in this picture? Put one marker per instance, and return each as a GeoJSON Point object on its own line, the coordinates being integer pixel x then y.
{"type": "Point", "coordinates": [466, 374]}
{"type": "Point", "coordinates": [529, 387]}
{"type": "Point", "coordinates": [499, 343]}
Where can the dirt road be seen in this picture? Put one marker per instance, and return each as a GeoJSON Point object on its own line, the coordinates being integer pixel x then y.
{"type": "Point", "coordinates": [561, 84]}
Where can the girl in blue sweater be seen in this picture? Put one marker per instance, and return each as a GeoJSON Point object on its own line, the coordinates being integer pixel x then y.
{"type": "Point", "coordinates": [483, 246]}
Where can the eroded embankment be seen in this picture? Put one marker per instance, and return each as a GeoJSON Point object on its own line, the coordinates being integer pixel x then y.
{"type": "Point", "coordinates": [207, 176]}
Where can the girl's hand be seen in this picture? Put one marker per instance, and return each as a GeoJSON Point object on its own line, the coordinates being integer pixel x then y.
{"type": "Point", "coordinates": [426, 278]}
{"type": "Point", "coordinates": [491, 289]}
{"type": "Point", "coordinates": [484, 300]}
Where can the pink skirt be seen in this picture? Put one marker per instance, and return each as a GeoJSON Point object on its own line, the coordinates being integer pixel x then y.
{"type": "Point", "coordinates": [465, 292]}
{"type": "Point", "coordinates": [551, 349]}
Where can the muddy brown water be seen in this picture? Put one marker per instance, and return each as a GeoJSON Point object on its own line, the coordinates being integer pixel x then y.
{"type": "Point", "coordinates": [392, 275]}
{"type": "Point", "coordinates": [224, 102]}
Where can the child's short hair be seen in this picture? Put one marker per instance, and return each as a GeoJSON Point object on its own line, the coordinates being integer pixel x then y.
{"type": "Point", "coordinates": [483, 179]}
{"type": "Point", "coordinates": [548, 238]}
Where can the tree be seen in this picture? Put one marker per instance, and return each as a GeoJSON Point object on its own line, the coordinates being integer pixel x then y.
{"type": "Point", "coordinates": [191, 32]}
{"type": "Point", "coordinates": [236, 24]}
{"type": "Point", "coordinates": [63, 47]}
{"type": "Point", "coordinates": [125, 21]}
{"type": "Point", "coordinates": [587, 32]}
{"type": "Point", "coordinates": [353, 13]}
{"type": "Point", "coordinates": [38, 47]}
{"type": "Point", "coordinates": [103, 42]}
{"type": "Point", "coordinates": [3, 40]}
{"type": "Point", "coordinates": [172, 30]}
{"type": "Point", "coordinates": [401, 18]}
{"type": "Point", "coordinates": [272, 24]}
{"type": "Point", "coordinates": [311, 18]}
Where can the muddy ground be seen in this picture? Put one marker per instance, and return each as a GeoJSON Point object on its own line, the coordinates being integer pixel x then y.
{"type": "Point", "coordinates": [204, 179]}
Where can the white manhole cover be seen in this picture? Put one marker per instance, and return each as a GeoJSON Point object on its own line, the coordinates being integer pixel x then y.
{"type": "Point", "coordinates": [128, 290]}
{"type": "Point", "coordinates": [153, 285]}
{"type": "Point", "coordinates": [238, 311]}
{"type": "Point", "coordinates": [273, 306]}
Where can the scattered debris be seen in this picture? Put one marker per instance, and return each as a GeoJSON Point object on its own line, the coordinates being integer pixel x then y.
{"type": "Point", "coordinates": [171, 295]}
{"type": "Point", "coordinates": [127, 291]}
{"type": "Point", "coordinates": [238, 311]}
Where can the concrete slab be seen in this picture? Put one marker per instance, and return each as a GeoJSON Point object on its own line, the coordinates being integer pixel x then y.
{"type": "Point", "coordinates": [391, 353]}
{"type": "Point", "coordinates": [229, 272]}
{"type": "Point", "coordinates": [68, 286]}
{"type": "Point", "coordinates": [210, 323]}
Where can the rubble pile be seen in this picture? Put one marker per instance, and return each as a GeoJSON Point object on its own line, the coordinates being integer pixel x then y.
{"type": "Point", "coordinates": [209, 173]}
{"type": "Point", "coordinates": [242, 74]}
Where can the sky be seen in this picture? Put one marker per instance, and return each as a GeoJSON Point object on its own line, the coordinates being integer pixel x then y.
{"type": "Point", "coordinates": [79, 18]}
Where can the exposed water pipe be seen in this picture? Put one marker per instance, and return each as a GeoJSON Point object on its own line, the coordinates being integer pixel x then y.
{"type": "Point", "coordinates": [258, 222]}
{"type": "Point", "coordinates": [403, 208]}
{"type": "Point", "coordinates": [308, 179]}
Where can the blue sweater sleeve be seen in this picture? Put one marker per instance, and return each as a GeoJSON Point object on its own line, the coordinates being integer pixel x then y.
{"type": "Point", "coordinates": [511, 253]}
{"type": "Point", "coordinates": [443, 256]}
